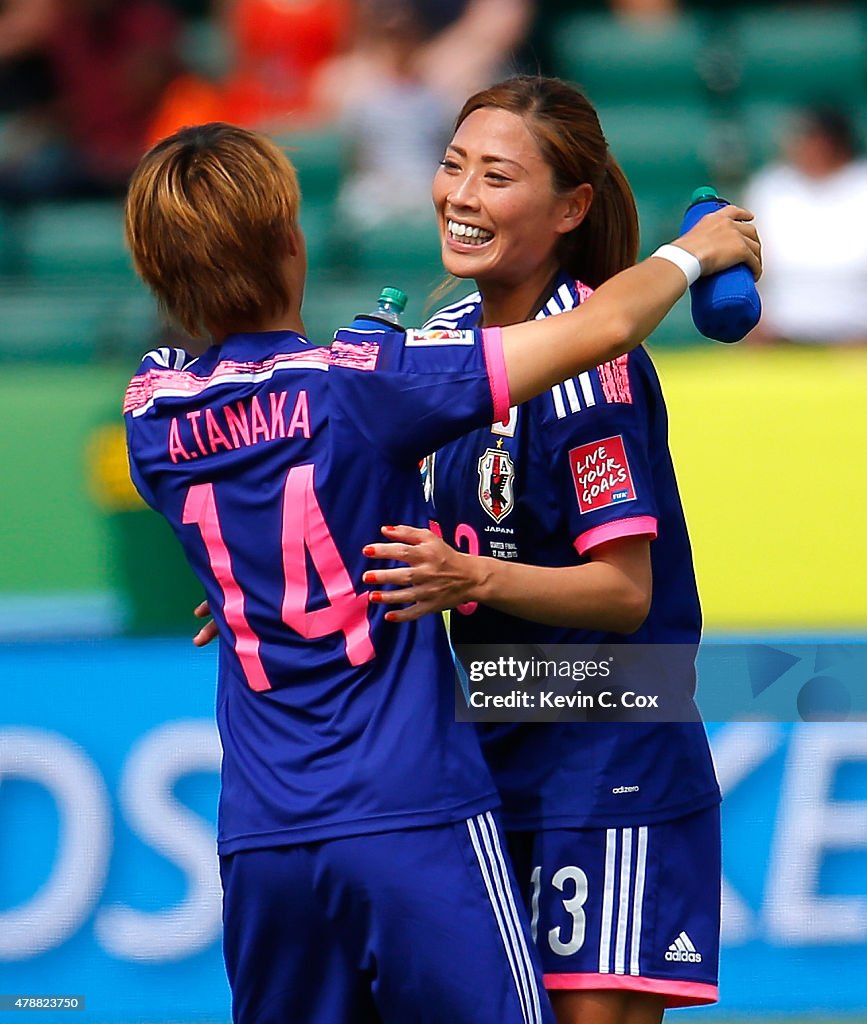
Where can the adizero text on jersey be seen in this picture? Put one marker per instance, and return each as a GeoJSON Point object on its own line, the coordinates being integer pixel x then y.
{"type": "Point", "coordinates": [276, 462]}
{"type": "Point", "coordinates": [585, 463]}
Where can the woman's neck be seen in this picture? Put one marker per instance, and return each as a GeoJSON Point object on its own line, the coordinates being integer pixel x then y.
{"type": "Point", "coordinates": [504, 304]}
{"type": "Point", "coordinates": [288, 321]}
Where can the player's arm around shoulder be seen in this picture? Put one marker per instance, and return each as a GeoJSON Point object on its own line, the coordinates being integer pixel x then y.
{"type": "Point", "coordinates": [624, 310]}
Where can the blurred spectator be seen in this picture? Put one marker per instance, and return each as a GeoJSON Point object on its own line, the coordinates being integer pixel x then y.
{"type": "Point", "coordinates": [479, 46]}
{"type": "Point", "coordinates": [394, 123]}
{"type": "Point", "coordinates": [111, 60]}
{"type": "Point", "coordinates": [647, 11]}
{"type": "Point", "coordinates": [279, 46]}
{"type": "Point", "coordinates": [395, 94]}
{"type": "Point", "coordinates": [389, 73]}
{"type": "Point", "coordinates": [276, 47]}
{"type": "Point", "coordinates": [812, 207]}
{"type": "Point", "coordinates": [25, 72]}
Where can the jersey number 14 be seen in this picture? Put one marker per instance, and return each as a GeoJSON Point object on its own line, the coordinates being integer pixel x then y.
{"type": "Point", "coordinates": [304, 529]}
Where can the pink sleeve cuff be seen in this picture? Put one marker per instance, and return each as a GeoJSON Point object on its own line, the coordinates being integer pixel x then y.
{"type": "Point", "coordinates": [635, 526]}
{"type": "Point", "coordinates": [492, 342]}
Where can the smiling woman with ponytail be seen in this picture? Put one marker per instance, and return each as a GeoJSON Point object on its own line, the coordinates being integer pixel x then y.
{"type": "Point", "coordinates": [568, 529]}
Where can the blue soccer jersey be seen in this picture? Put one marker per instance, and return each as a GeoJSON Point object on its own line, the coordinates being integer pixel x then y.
{"type": "Point", "coordinates": [585, 463]}
{"type": "Point", "coordinates": [276, 462]}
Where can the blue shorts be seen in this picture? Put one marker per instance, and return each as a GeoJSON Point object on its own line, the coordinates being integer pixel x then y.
{"type": "Point", "coordinates": [627, 908]}
{"type": "Point", "coordinates": [421, 925]}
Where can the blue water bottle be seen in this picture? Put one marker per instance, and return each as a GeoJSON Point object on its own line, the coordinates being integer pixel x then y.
{"type": "Point", "coordinates": [726, 305]}
{"type": "Point", "coordinates": [389, 307]}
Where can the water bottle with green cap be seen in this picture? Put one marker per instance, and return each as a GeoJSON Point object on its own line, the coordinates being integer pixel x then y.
{"type": "Point", "coordinates": [389, 307]}
{"type": "Point", "coordinates": [725, 306]}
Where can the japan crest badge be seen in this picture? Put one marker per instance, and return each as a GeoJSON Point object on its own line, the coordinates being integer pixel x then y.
{"type": "Point", "coordinates": [496, 483]}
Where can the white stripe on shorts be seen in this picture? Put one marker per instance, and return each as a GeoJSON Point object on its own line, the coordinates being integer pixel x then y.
{"type": "Point", "coordinates": [483, 835]}
{"type": "Point", "coordinates": [607, 901]}
{"type": "Point", "coordinates": [628, 880]}
{"type": "Point", "coordinates": [510, 896]}
{"type": "Point", "coordinates": [638, 899]}
{"type": "Point", "coordinates": [623, 909]}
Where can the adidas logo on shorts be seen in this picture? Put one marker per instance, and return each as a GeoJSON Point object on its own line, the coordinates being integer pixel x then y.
{"type": "Point", "coordinates": [683, 949]}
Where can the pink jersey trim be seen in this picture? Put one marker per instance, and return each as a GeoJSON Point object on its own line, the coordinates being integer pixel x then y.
{"type": "Point", "coordinates": [677, 993]}
{"type": "Point", "coordinates": [492, 340]}
{"type": "Point", "coordinates": [614, 377]}
{"type": "Point", "coordinates": [361, 356]}
{"type": "Point", "coordinates": [635, 526]}
{"type": "Point", "coordinates": [584, 290]}
{"type": "Point", "coordinates": [155, 383]}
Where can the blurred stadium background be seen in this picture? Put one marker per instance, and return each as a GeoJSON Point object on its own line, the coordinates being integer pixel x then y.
{"type": "Point", "coordinates": [108, 756]}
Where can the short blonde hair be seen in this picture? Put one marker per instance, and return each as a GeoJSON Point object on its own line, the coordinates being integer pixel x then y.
{"type": "Point", "coordinates": [209, 212]}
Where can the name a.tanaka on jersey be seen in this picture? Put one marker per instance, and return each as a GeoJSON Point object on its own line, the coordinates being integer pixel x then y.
{"type": "Point", "coordinates": [238, 424]}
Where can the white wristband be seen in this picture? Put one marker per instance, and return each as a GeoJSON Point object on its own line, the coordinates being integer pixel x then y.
{"type": "Point", "coordinates": [688, 263]}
